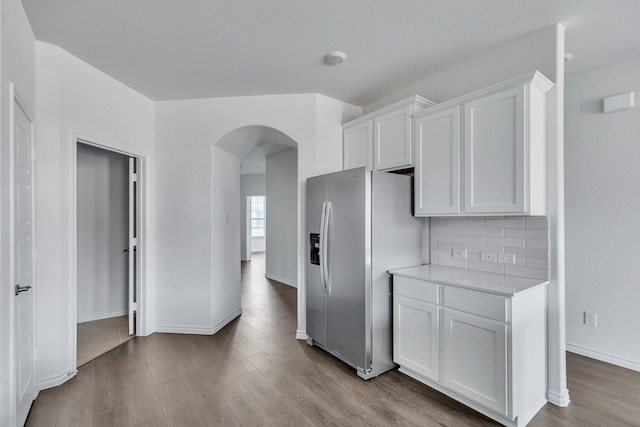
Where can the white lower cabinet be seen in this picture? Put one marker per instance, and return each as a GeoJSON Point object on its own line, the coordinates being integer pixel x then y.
{"type": "Point", "coordinates": [485, 350]}
{"type": "Point", "coordinates": [416, 340]}
{"type": "Point", "coordinates": [475, 350]}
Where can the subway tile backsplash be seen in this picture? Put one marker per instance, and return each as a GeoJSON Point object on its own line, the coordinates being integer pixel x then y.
{"type": "Point", "coordinates": [526, 238]}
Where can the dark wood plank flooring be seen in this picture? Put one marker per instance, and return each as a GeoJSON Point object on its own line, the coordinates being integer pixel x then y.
{"type": "Point", "coordinates": [254, 372]}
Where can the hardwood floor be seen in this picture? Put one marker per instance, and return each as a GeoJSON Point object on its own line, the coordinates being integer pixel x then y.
{"type": "Point", "coordinates": [100, 336]}
{"type": "Point", "coordinates": [254, 372]}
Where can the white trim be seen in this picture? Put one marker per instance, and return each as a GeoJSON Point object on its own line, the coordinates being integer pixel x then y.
{"type": "Point", "coordinates": [562, 400]}
{"type": "Point", "coordinates": [56, 380]}
{"type": "Point", "coordinates": [100, 316]}
{"type": "Point", "coordinates": [198, 330]}
{"type": "Point", "coordinates": [604, 357]}
{"type": "Point", "coordinates": [145, 302]}
{"type": "Point", "coordinates": [12, 349]}
{"type": "Point", "coordinates": [301, 335]}
{"type": "Point", "coordinates": [281, 280]}
{"type": "Point", "coordinates": [462, 399]}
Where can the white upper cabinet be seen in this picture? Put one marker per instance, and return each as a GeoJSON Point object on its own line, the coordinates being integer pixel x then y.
{"type": "Point", "coordinates": [357, 145]}
{"type": "Point", "coordinates": [494, 145]}
{"type": "Point", "coordinates": [382, 140]}
{"type": "Point", "coordinates": [392, 147]}
{"type": "Point", "coordinates": [484, 153]}
{"type": "Point", "coordinates": [437, 163]}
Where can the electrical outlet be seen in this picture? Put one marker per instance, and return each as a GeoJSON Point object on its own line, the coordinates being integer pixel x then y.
{"type": "Point", "coordinates": [488, 256]}
{"type": "Point", "coordinates": [590, 319]}
{"type": "Point", "coordinates": [506, 258]}
{"type": "Point", "coordinates": [459, 253]}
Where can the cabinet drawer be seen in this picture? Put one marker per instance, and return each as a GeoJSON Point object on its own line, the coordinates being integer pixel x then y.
{"type": "Point", "coordinates": [480, 303]}
{"type": "Point", "coordinates": [418, 289]}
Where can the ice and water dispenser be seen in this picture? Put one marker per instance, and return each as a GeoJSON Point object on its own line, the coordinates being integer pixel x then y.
{"type": "Point", "coordinates": [314, 244]}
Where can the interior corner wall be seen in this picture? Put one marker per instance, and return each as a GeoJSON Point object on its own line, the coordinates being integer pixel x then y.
{"type": "Point", "coordinates": [17, 66]}
{"type": "Point", "coordinates": [602, 176]}
{"type": "Point", "coordinates": [281, 214]}
{"type": "Point", "coordinates": [74, 98]}
{"type": "Point", "coordinates": [330, 114]}
{"type": "Point", "coordinates": [103, 234]}
{"type": "Point", "coordinates": [250, 185]}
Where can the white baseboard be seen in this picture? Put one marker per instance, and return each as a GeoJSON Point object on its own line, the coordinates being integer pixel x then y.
{"type": "Point", "coordinates": [604, 357]}
{"type": "Point", "coordinates": [559, 399]}
{"type": "Point", "coordinates": [100, 316]}
{"type": "Point", "coordinates": [55, 380]}
{"type": "Point", "coordinates": [301, 335]}
{"type": "Point", "coordinates": [281, 280]}
{"type": "Point", "coordinates": [197, 330]}
{"type": "Point", "coordinates": [227, 320]}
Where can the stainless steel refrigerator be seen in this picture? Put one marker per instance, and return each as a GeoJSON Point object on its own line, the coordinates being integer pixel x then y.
{"type": "Point", "coordinates": [359, 225]}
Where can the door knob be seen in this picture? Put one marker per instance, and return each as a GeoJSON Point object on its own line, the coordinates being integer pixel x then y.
{"type": "Point", "coordinates": [22, 289]}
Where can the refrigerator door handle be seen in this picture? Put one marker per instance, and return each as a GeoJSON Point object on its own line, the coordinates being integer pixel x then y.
{"type": "Point", "coordinates": [323, 224]}
{"type": "Point", "coordinates": [327, 249]}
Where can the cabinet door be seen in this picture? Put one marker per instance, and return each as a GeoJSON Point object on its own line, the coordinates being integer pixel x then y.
{"type": "Point", "coordinates": [392, 147]}
{"type": "Point", "coordinates": [494, 152]}
{"type": "Point", "coordinates": [475, 355]}
{"type": "Point", "coordinates": [416, 336]}
{"type": "Point", "coordinates": [437, 171]}
{"type": "Point", "coordinates": [357, 146]}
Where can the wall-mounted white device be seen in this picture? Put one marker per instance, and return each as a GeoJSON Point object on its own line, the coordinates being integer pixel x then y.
{"type": "Point", "coordinates": [624, 101]}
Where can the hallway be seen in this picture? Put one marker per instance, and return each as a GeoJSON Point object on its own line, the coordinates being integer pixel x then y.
{"type": "Point", "coordinates": [253, 372]}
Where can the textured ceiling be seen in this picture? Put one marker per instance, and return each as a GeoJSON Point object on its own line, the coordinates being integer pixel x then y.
{"type": "Point", "coordinates": [178, 49]}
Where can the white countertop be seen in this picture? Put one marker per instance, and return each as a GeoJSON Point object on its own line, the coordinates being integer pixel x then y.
{"type": "Point", "coordinates": [479, 280]}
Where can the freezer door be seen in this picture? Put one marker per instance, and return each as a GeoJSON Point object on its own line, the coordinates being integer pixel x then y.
{"type": "Point", "coordinates": [348, 304]}
{"type": "Point", "coordinates": [316, 297]}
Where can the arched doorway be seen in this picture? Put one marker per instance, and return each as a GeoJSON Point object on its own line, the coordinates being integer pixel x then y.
{"type": "Point", "coordinates": [268, 167]}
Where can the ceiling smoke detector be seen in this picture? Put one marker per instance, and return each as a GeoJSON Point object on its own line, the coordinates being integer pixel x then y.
{"type": "Point", "coordinates": [335, 58]}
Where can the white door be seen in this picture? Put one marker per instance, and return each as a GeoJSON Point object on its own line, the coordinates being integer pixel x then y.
{"type": "Point", "coordinates": [133, 243]}
{"type": "Point", "coordinates": [23, 262]}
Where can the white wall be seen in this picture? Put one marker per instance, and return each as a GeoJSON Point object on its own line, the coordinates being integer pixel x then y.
{"type": "Point", "coordinates": [542, 50]}
{"type": "Point", "coordinates": [17, 65]}
{"type": "Point", "coordinates": [250, 185]}
{"type": "Point", "coordinates": [258, 244]}
{"type": "Point", "coordinates": [535, 51]}
{"type": "Point", "coordinates": [192, 185]}
{"type": "Point", "coordinates": [74, 98]}
{"type": "Point", "coordinates": [103, 230]}
{"type": "Point", "coordinates": [282, 202]}
{"type": "Point", "coordinates": [602, 201]}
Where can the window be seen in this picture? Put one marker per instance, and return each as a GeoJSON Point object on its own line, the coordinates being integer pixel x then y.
{"type": "Point", "coordinates": [257, 204]}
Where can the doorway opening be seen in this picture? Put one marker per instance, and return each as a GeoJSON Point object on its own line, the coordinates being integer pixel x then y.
{"type": "Point", "coordinates": [269, 190]}
{"type": "Point", "coordinates": [107, 250]}
{"type": "Point", "coordinates": [256, 223]}
{"type": "Point", "coordinates": [268, 152]}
